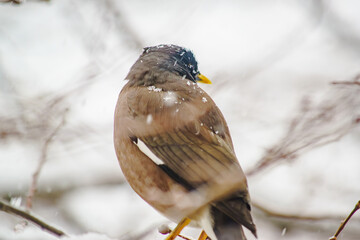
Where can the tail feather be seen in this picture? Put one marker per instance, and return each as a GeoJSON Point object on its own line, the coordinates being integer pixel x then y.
{"type": "Point", "coordinates": [230, 215]}
{"type": "Point", "coordinates": [225, 228]}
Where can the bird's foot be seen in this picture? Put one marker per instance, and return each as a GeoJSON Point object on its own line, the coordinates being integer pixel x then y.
{"type": "Point", "coordinates": [183, 223]}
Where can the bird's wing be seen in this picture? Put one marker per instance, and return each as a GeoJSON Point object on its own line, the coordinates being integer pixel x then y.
{"type": "Point", "coordinates": [187, 133]}
{"type": "Point", "coordinates": [194, 152]}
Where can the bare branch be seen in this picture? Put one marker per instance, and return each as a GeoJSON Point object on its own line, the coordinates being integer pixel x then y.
{"type": "Point", "coordinates": [165, 229]}
{"type": "Point", "coordinates": [316, 125]}
{"type": "Point", "coordinates": [11, 1]}
{"type": "Point", "coordinates": [346, 83]}
{"type": "Point", "coordinates": [20, 1]}
{"type": "Point", "coordinates": [343, 223]}
{"type": "Point", "coordinates": [354, 81]}
{"type": "Point", "coordinates": [42, 161]}
{"type": "Point", "coordinates": [23, 214]}
{"type": "Point", "coordinates": [276, 214]}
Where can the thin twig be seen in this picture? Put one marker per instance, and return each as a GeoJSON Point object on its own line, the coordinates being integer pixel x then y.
{"type": "Point", "coordinates": [346, 83]}
{"type": "Point", "coordinates": [23, 214]}
{"type": "Point", "coordinates": [315, 126]}
{"type": "Point", "coordinates": [355, 81]}
{"type": "Point", "coordinates": [20, 1]}
{"type": "Point", "coordinates": [273, 213]}
{"type": "Point", "coordinates": [11, 1]}
{"type": "Point", "coordinates": [343, 223]}
{"type": "Point", "coordinates": [183, 237]}
{"type": "Point", "coordinates": [42, 161]}
{"type": "Point", "coordinates": [165, 229]}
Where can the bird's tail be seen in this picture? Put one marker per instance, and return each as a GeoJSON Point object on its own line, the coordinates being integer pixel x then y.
{"type": "Point", "coordinates": [225, 228]}
{"type": "Point", "coordinates": [230, 215]}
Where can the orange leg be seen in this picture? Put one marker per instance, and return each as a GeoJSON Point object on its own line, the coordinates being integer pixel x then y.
{"type": "Point", "coordinates": [203, 236]}
{"type": "Point", "coordinates": [183, 223]}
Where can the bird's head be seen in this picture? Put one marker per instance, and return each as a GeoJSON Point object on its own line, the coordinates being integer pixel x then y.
{"type": "Point", "coordinates": [170, 58]}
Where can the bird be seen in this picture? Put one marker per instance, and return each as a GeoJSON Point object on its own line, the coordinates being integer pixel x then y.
{"type": "Point", "coordinates": [174, 146]}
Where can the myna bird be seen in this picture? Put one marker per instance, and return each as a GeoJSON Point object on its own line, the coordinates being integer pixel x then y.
{"type": "Point", "coordinates": [175, 149]}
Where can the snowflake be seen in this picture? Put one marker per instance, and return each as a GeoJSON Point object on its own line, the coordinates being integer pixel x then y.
{"type": "Point", "coordinates": [155, 89]}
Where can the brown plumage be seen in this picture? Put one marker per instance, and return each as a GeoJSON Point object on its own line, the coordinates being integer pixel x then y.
{"type": "Point", "coordinates": [174, 146]}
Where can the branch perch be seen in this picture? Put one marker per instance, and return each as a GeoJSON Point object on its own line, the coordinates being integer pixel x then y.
{"type": "Point", "coordinates": [20, 213]}
{"type": "Point", "coordinates": [316, 125]}
{"type": "Point", "coordinates": [164, 229]}
{"type": "Point", "coordinates": [42, 161]}
{"type": "Point", "coordinates": [273, 213]}
{"type": "Point", "coordinates": [354, 81]}
{"type": "Point", "coordinates": [343, 223]}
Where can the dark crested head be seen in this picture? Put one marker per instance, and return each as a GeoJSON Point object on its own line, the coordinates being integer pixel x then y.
{"type": "Point", "coordinates": [175, 59]}
{"type": "Point", "coordinates": [156, 64]}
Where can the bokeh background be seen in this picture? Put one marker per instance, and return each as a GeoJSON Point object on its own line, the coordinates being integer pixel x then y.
{"type": "Point", "coordinates": [272, 64]}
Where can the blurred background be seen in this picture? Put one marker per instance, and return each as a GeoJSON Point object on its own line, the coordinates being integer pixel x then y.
{"type": "Point", "coordinates": [273, 65]}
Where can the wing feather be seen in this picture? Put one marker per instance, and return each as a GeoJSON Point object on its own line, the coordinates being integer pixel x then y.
{"type": "Point", "coordinates": [190, 155]}
{"type": "Point", "coordinates": [190, 136]}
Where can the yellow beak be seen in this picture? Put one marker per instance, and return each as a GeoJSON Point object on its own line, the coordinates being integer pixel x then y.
{"type": "Point", "coordinates": [203, 79]}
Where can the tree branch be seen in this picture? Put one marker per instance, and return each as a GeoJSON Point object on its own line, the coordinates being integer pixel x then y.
{"type": "Point", "coordinates": [343, 223]}
{"type": "Point", "coordinates": [42, 161]}
{"type": "Point", "coordinates": [316, 125]}
{"type": "Point", "coordinates": [165, 229]}
{"type": "Point", "coordinates": [354, 81]}
{"type": "Point", "coordinates": [20, 1]}
{"type": "Point", "coordinates": [23, 214]}
{"type": "Point", "coordinates": [347, 83]}
{"type": "Point", "coordinates": [273, 213]}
